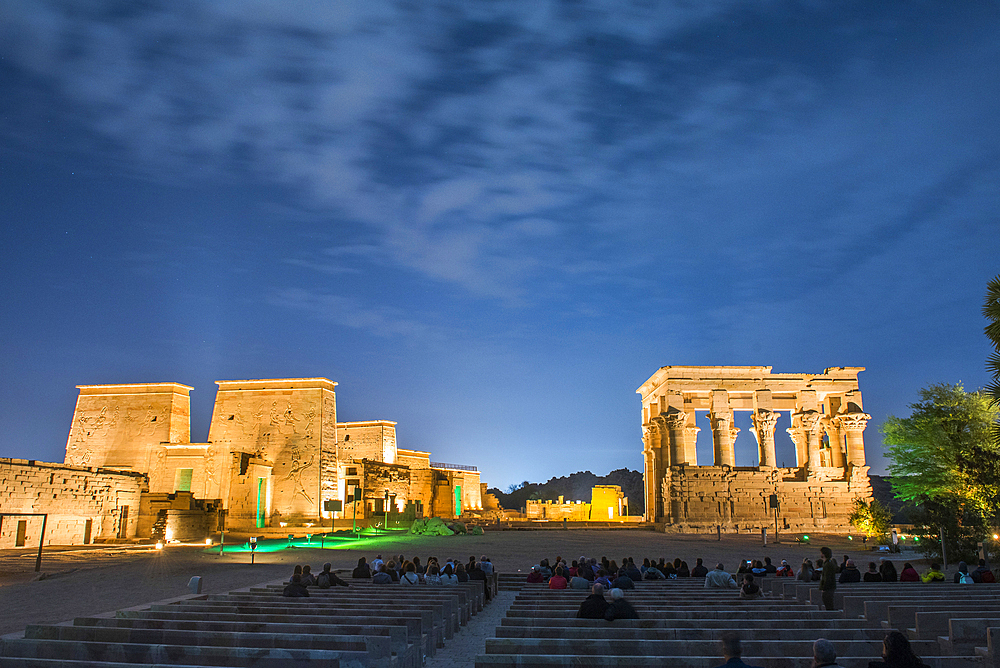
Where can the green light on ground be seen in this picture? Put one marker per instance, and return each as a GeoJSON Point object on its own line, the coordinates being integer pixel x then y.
{"type": "Point", "coordinates": [342, 540]}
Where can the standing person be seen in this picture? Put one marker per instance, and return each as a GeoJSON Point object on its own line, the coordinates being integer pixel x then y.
{"type": "Point", "coordinates": [828, 578]}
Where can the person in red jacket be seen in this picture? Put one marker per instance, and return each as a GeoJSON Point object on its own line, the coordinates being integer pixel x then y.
{"type": "Point", "coordinates": [558, 581]}
{"type": "Point", "coordinates": [784, 571]}
{"type": "Point", "coordinates": [909, 574]}
{"type": "Point", "coordinates": [535, 576]}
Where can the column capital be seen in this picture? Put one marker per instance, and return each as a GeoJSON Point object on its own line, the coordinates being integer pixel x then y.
{"type": "Point", "coordinates": [853, 421]}
{"type": "Point", "coordinates": [676, 419]}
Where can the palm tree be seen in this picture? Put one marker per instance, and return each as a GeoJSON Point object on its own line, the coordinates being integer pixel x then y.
{"type": "Point", "coordinates": [991, 310]}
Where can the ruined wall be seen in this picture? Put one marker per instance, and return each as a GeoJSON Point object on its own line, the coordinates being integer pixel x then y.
{"type": "Point", "coordinates": [250, 493]}
{"type": "Point", "coordinates": [285, 422]}
{"type": "Point", "coordinates": [380, 478]}
{"type": "Point", "coordinates": [702, 497]}
{"type": "Point", "coordinates": [71, 495]}
{"type": "Point", "coordinates": [119, 426]}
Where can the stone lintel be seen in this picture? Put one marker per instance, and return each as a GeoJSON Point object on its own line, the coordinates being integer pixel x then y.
{"type": "Point", "coordinates": [136, 388]}
{"type": "Point", "coordinates": [269, 384]}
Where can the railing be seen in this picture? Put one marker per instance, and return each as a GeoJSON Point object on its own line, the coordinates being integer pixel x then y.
{"type": "Point", "coordinates": [456, 467]}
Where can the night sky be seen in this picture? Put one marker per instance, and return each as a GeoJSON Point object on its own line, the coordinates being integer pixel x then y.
{"type": "Point", "coordinates": [492, 221]}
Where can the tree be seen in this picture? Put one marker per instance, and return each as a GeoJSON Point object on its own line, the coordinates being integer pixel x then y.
{"type": "Point", "coordinates": [872, 519]}
{"type": "Point", "coordinates": [991, 311]}
{"type": "Point", "coordinates": [945, 460]}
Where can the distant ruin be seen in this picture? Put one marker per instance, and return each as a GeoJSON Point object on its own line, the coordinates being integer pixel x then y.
{"type": "Point", "coordinates": [827, 427]}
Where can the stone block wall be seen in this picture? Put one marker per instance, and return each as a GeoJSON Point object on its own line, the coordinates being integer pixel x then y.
{"type": "Point", "coordinates": [702, 497]}
{"type": "Point", "coordinates": [71, 495]}
{"type": "Point", "coordinates": [374, 440]}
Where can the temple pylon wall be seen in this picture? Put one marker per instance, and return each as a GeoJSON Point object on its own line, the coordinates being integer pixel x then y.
{"type": "Point", "coordinates": [827, 428]}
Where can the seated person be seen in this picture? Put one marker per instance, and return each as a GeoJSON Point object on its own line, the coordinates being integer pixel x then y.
{"type": "Point", "coordinates": [982, 573]}
{"type": "Point", "coordinates": [784, 571]}
{"type": "Point", "coordinates": [308, 579]}
{"type": "Point", "coordinates": [382, 577]}
{"type": "Point", "coordinates": [758, 569]}
{"type": "Point", "coordinates": [887, 570]}
{"type": "Point", "coordinates": [603, 579]}
{"type": "Point", "coordinates": [594, 606]}
{"type": "Point", "coordinates": [872, 574]}
{"type": "Point", "coordinates": [328, 578]}
{"type": "Point", "coordinates": [362, 571]}
{"type": "Point", "coordinates": [433, 576]}
{"type": "Point", "coordinates": [849, 573]}
{"type": "Point", "coordinates": [750, 589]}
{"type": "Point", "coordinates": [631, 571]}
{"type": "Point", "coordinates": [390, 568]}
{"type": "Point", "coordinates": [683, 571]}
{"type": "Point", "coordinates": [623, 581]}
{"type": "Point", "coordinates": [558, 581]}
{"type": "Point", "coordinates": [448, 576]}
{"type": "Point", "coordinates": [897, 652]}
{"type": "Point", "coordinates": [769, 568]}
{"type": "Point", "coordinates": [619, 608]}
{"type": "Point", "coordinates": [732, 650]}
{"type": "Point", "coordinates": [962, 576]}
{"type": "Point", "coordinates": [295, 588]}
{"type": "Point", "coordinates": [410, 576]}
{"type": "Point", "coordinates": [653, 573]}
{"type": "Point", "coordinates": [535, 576]}
{"type": "Point", "coordinates": [933, 575]}
{"type": "Point", "coordinates": [578, 581]}
{"type": "Point", "coordinates": [908, 574]}
{"type": "Point", "coordinates": [699, 570]}
{"type": "Point", "coordinates": [719, 579]}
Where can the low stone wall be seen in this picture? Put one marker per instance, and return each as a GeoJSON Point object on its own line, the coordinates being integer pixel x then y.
{"type": "Point", "coordinates": [72, 496]}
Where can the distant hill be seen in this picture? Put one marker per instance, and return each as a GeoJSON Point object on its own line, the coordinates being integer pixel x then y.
{"type": "Point", "coordinates": [575, 487]}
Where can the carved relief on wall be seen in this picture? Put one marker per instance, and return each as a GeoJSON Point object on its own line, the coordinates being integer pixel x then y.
{"type": "Point", "coordinates": [295, 474]}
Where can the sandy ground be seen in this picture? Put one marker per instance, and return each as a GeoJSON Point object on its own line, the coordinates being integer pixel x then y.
{"type": "Point", "coordinates": [86, 581]}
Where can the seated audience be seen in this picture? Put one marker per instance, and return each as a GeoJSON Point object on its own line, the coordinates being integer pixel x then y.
{"type": "Point", "coordinates": [684, 571]}
{"type": "Point", "coordinates": [558, 581]}
{"type": "Point", "coordinates": [817, 570]}
{"type": "Point", "coordinates": [784, 571]}
{"type": "Point", "coordinates": [631, 571]}
{"type": "Point", "coordinates": [982, 573]}
{"type": "Point", "coordinates": [460, 573]}
{"type": "Point", "coordinates": [619, 608]}
{"type": "Point", "coordinates": [390, 568]}
{"type": "Point", "coordinates": [824, 654]}
{"type": "Point", "coordinates": [382, 577]}
{"type": "Point", "coordinates": [805, 573]}
{"type": "Point", "coordinates": [872, 575]}
{"type": "Point", "coordinates": [623, 581]}
{"type": "Point", "coordinates": [719, 579]}
{"type": "Point", "coordinates": [699, 570]}
{"type": "Point", "coordinates": [933, 575]}
{"type": "Point", "coordinates": [732, 650]}
{"type": "Point", "coordinates": [744, 567]}
{"type": "Point", "coordinates": [909, 574]}
{"type": "Point", "coordinates": [448, 576]}
{"type": "Point", "coordinates": [410, 576]}
{"type": "Point", "coordinates": [758, 569]}
{"type": "Point", "coordinates": [478, 575]}
{"type": "Point", "coordinates": [849, 573]}
{"type": "Point", "coordinates": [653, 573]}
{"type": "Point", "coordinates": [328, 578]}
{"type": "Point", "coordinates": [963, 576]}
{"type": "Point", "coordinates": [308, 579]}
{"type": "Point", "coordinates": [433, 576]}
{"type": "Point", "coordinates": [362, 571]}
{"type": "Point", "coordinates": [750, 589]}
{"type": "Point", "coordinates": [594, 606]}
{"type": "Point", "coordinates": [769, 567]}
{"type": "Point", "coordinates": [535, 576]}
{"type": "Point", "coordinates": [578, 581]}
{"type": "Point", "coordinates": [295, 588]}
{"type": "Point", "coordinates": [897, 653]}
{"type": "Point", "coordinates": [887, 570]}
{"type": "Point", "coordinates": [486, 565]}
{"type": "Point", "coordinates": [603, 579]}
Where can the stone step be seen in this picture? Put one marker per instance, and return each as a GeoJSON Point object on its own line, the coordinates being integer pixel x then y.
{"type": "Point", "coordinates": [611, 661]}
{"type": "Point", "coordinates": [773, 648]}
{"type": "Point", "coordinates": [616, 632]}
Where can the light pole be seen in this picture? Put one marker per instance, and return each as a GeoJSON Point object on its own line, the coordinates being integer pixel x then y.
{"type": "Point", "coordinates": [385, 507]}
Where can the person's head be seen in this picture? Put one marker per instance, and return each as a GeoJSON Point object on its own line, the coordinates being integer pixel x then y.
{"type": "Point", "coordinates": [416, 560]}
{"type": "Point", "coordinates": [982, 563]}
{"type": "Point", "coordinates": [784, 563]}
{"type": "Point", "coordinates": [559, 571]}
{"type": "Point", "coordinates": [767, 560]}
{"type": "Point", "coordinates": [935, 566]}
{"type": "Point", "coordinates": [872, 568]}
{"type": "Point", "coordinates": [823, 651]}
{"type": "Point", "coordinates": [617, 594]}
{"type": "Point", "coordinates": [963, 567]}
{"type": "Point", "coordinates": [850, 563]}
{"type": "Point", "coordinates": [806, 562]}
{"type": "Point", "coordinates": [296, 578]}
{"type": "Point", "coordinates": [361, 562]}
{"type": "Point", "coordinates": [381, 568]}
{"type": "Point", "coordinates": [598, 589]}
{"type": "Point", "coordinates": [410, 568]}
{"type": "Point", "coordinates": [896, 648]}
{"type": "Point", "coordinates": [459, 568]}
{"type": "Point", "coordinates": [677, 562]}
{"type": "Point", "coordinates": [297, 570]}
{"type": "Point", "coordinates": [391, 565]}
{"type": "Point", "coordinates": [826, 552]}
{"type": "Point", "coordinates": [447, 569]}
{"type": "Point", "coordinates": [697, 561]}
{"type": "Point", "coordinates": [327, 566]}
{"type": "Point", "coordinates": [720, 567]}
{"type": "Point", "coordinates": [907, 565]}
{"type": "Point", "coordinates": [601, 573]}
{"type": "Point", "coordinates": [307, 569]}
{"type": "Point", "coordinates": [748, 579]}
{"type": "Point", "coordinates": [730, 641]}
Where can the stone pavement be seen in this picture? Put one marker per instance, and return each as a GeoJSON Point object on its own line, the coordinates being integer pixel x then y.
{"type": "Point", "coordinates": [462, 650]}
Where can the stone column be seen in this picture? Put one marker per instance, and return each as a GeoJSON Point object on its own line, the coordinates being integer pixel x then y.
{"type": "Point", "coordinates": [676, 422]}
{"type": "Point", "coordinates": [832, 428]}
{"type": "Point", "coordinates": [812, 427]}
{"type": "Point", "coordinates": [798, 436]}
{"type": "Point", "coordinates": [722, 439]}
{"type": "Point", "coordinates": [691, 443]}
{"type": "Point", "coordinates": [764, 422]}
{"type": "Point", "coordinates": [853, 425]}
{"type": "Point", "coordinates": [650, 438]}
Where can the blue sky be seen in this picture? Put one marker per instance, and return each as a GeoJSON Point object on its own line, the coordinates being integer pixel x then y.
{"type": "Point", "coordinates": [492, 221]}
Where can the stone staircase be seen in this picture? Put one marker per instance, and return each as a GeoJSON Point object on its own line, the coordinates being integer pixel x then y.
{"type": "Point", "coordinates": [361, 626]}
{"type": "Point", "coordinates": [681, 622]}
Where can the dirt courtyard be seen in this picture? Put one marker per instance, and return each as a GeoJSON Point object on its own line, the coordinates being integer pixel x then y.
{"type": "Point", "coordinates": [91, 580]}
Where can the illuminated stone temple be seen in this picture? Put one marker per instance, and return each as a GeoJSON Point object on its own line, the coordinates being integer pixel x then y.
{"type": "Point", "coordinates": [827, 424]}
{"type": "Point", "coordinates": [275, 456]}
